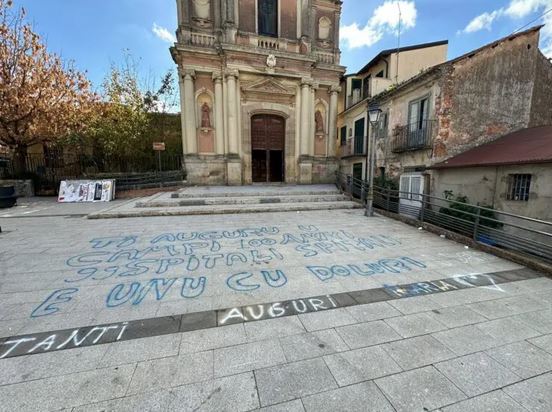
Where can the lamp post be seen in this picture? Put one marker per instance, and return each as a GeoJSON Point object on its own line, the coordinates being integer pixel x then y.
{"type": "Point", "coordinates": [374, 113]}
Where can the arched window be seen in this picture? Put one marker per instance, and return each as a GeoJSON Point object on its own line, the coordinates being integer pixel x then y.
{"type": "Point", "coordinates": [268, 17]}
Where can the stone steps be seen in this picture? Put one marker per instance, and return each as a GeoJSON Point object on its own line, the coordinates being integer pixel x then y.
{"type": "Point", "coordinates": [256, 192]}
{"type": "Point", "coordinates": [222, 209]}
{"type": "Point", "coordinates": [243, 200]}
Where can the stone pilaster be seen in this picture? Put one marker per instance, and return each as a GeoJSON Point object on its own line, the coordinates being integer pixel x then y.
{"type": "Point", "coordinates": [234, 172]}
{"type": "Point", "coordinates": [219, 114]}
{"type": "Point", "coordinates": [334, 92]}
{"type": "Point", "coordinates": [189, 112]}
{"type": "Point", "coordinates": [305, 158]}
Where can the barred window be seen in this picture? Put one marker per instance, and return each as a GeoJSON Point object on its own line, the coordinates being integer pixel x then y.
{"type": "Point", "coordinates": [518, 187]}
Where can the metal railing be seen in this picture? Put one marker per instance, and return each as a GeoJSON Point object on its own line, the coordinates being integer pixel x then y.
{"type": "Point", "coordinates": [47, 170]}
{"type": "Point", "coordinates": [413, 136]}
{"type": "Point", "coordinates": [484, 225]}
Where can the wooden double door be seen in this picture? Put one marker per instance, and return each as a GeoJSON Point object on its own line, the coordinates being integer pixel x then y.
{"type": "Point", "coordinates": [268, 135]}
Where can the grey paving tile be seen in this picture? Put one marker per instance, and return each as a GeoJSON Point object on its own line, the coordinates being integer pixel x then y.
{"type": "Point", "coordinates": [202, 340]}
{"type": "Point", "coordinates": [535, 394]}
{"type": "Point", "coordinates": [242, 358]}
{"type": "Point", "coordinates": [152, 401]}
{"type": "Point", "coordinates": [291, 406]}
{"type": "Point", "coordinates": [367, 334]}
{"type": "Point", "coordinates": [507, 330]}
{"type": "Point", "coordinates": [373, 311]}
{"type": "Point", "coordinates": [514, 305]}
{"type": "Point", "coordinates": [543, 342]}
{"type": "Point", "coordinates": [523, 358]}
{"type": "Point", "coordinates": [273, 328]}
{"type": "Point", "coordinates": [477, 373]}
{"type": "Point", "coordinates": [415, 304]}
{"type": "Point", "coordinates": [231, 393]}
{"type": "Point", "coordinates": [419, 390]}
{"type": "Point", "coordinates": [137, 350]}
{"type": "Point", "coordinates": [493, 401]}
{"type": "Point", "coordinates": [540, 320]}
{"type": "Point", "coordinates": [466, 339]}
{"type": "Point", "coordinates": [456, 316]}
{"type": "Point", "coordinates": [414, 325]}
{"type": "Point", "coordinates": [361, 365]}
{"type": "Point", "coordinates": [170, 372]}
{"type": "Point", "coordinates": [326, 319]}
{"type": "Point", "coordinates": [31, 367]}
{"type": "Point", "coordinates": [418, 351]}
{"type": "Point", "coordinates": [290, 381]}
{"type": "Point", "coordinates": [364, 396]}
{"type": "Point", "coordinates": [312, 345]}
{"type": "Point", "coordinates": [67, 391]}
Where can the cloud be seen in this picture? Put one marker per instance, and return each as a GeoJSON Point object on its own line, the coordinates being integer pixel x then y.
{"type": "Point", "coordinates": [163, 33]}
{"type": "Point", "coordinates": [518, 9]}
{"type": "Point", "coordinates": [483, 21]}
{"type": "Point", "coordinates": [385, 19]}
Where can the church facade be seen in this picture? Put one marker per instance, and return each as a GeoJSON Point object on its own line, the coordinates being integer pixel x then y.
{"type": "Point", "coordinates": [259, 86]}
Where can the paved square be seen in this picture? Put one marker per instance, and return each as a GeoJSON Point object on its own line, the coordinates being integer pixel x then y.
{"type": "Point", "coordinates": [318, 310]}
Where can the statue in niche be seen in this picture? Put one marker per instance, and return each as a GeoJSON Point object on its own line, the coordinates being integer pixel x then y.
{"type": "Point", "coordinates": [202, 9]}
{"type": "Point", "coordinates": [319, 120]}
{"type": "Point", "coordinates": [324, 28]}
{"type": "Point", "coordinates": [205, 116]}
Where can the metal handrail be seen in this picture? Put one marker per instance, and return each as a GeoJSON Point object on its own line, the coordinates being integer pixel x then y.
{"type": "Point", "coordinates": [512, 233]}
{"type": "Point", "coordinates": [543, 222]}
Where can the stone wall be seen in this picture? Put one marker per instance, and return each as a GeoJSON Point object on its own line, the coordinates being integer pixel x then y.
{"type": "Point", "coordinates": [23, 188]}
{"type": "Point", "coordinates": [541, 109]}
{"type": "Point", "coordinates": [486, 95]}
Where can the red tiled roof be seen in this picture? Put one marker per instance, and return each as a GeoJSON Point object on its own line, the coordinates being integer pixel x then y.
{"type": "Point", "coordinates": [533, 145]}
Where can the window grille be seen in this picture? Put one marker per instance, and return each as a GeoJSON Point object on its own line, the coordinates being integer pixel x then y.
{"type": "Point", "coordinates": [518, 187]}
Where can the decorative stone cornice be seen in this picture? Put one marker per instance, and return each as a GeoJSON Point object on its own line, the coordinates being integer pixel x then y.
{"type": "Point", "coordinates": [232, 73]}
{"type": "Point", "coordinates": [217, 77]}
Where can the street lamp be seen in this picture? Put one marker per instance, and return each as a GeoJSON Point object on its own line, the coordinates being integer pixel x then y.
{"type": "Point", "coordinates": [374, 113]}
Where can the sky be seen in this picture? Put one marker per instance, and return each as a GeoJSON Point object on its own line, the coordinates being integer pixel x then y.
{"type": "Point", "coordinates": [98, 33]}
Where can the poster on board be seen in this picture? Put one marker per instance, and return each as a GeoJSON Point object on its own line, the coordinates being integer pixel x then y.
{"type": "Point", "coordinates": [86, 191]}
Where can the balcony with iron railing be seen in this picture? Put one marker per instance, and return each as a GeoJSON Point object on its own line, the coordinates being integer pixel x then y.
{"type": "Point", "coordinates": [413, 136]}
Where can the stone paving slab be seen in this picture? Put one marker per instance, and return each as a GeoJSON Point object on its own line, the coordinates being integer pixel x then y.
{"type": "Point", "coordinates": [352, 348]}
{"type": "Point", "coordinates": [420, 390]}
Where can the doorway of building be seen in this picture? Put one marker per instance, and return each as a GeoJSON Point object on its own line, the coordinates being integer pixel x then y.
{"type": "Point", "coordinates": [267, 148]}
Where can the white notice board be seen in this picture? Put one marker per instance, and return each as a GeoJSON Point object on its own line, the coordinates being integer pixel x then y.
{"type": "Point", "coordinates": [86, 191]}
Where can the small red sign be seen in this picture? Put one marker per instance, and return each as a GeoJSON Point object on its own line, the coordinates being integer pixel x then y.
{"type": "Point", "coordinates": [159, 146]}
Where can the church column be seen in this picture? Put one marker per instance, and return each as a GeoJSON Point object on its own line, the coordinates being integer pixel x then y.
{"type": "Point", "coordinates": [233, 144]}
{"type": "Point", "coordinates": [219, 116]}
{"type": "Point", "coordinates": [311, 118]}
{"type": "Point", "coordinates": [182, 115]}
{"type": "Point", "coordinates": [334, 91]}
{"type": "Point", "coordinates": [305, 117]}
{"type": "Point", "coordinates": [189, 112]}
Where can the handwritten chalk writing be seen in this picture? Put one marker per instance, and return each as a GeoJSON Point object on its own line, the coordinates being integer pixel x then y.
{"type": "Point", "coordinates": [52, 302]}
{"type": "Point", "coordinates": [136, 292]}
{"type": "Point", "coordinates": [420, 288]}
{"type": "Point", "coordinates": [482, 280]}
{"type": "Point", "coordinates": [118, 241]}
{"type": "Point", "coordinates": [241, 281]}
{"type": "Point", "coordinates": [278, 309]}
{"type": "Point", "coordinates": [397, 265]}
{"type": "Point", "coordinates": [63, 340]}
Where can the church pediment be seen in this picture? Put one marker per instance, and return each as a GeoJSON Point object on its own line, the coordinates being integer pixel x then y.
{"type": "Point", "coordinates": [267, 86]}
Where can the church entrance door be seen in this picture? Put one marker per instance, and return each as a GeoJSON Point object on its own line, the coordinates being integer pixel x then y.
{"type": "Point", "coordinates": [267, 148]}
